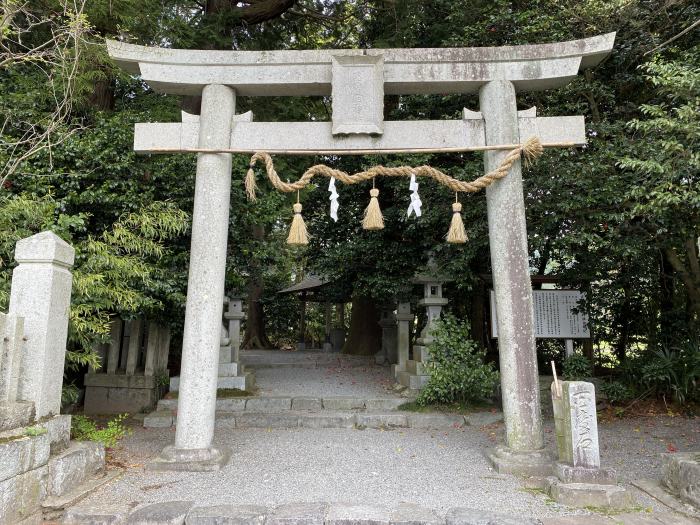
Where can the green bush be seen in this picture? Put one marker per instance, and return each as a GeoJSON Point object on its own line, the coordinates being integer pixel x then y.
{"type": "Point", "coordinates": [457, 369]}
{"type": "Point", "coordinates": [577, 367]}
{"type": "Point", "coordinates": [672, 372]}
{"type": "Point", "coordinates": [85, 429]}
{"type": "Point", "coordinates": [616, 391]}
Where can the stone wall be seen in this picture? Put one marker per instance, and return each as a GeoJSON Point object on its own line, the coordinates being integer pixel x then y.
{"type": "Point", "coordinates": [40, 468]}
{"type": "Point", "coordinates": [133, 372]}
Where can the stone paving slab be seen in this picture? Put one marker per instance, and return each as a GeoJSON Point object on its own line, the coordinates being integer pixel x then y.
{"type": "Point", "coordinates": [167, 513]}
{"type": "Point", "coordinates": [636, 518]}
{"type": "Point", "coordinates": [186, 513]}
{"type": "Point", "coordinates": [298, 514]}
{"type": "Point", "coordinates": [227, 515]}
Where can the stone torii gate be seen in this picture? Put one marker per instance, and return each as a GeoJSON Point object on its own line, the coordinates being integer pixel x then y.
{"type": "Point", "coordinates": [358, 81]}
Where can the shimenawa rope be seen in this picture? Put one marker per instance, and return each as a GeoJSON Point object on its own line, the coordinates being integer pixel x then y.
{"type": "Point", "coordinates": [530, 150]}
{"type": "Point", "coordinates": [373, 220]}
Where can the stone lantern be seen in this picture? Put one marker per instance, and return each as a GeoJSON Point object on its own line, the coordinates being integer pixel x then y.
{"type": "Point", "coordinates": [415, 376]}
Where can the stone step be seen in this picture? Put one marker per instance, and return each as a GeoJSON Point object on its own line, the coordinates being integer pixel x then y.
{"type": "Point", "coordinates": [334, 419]}
{"type": "Point", "coordinates": [53, 506]}
{"type": "Point", "coordinates": [245, 381]}
{"type": "Point", "coordinates": [279, 403]}
{"type": "Point", "coordinates": [73, 466]}
{"type": "Point", "coordinates": [302, 359]}
{"type": "Point", "coordinates": [412, 381]}
{"type": "Point", "coordinates": [286, 514]}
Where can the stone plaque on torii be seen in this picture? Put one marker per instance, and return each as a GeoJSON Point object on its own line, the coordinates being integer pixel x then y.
{"type": "Point", "coordinates": [357, 80]}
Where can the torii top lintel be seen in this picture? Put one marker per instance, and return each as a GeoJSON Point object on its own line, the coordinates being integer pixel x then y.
{"type": "Point", "coordinates": [404, 71]}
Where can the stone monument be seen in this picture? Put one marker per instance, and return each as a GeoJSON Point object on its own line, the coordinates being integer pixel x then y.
{"type": "Point", "coordinates": [358, 80]}
{"type": "Point", "coordinates": [579, 480]}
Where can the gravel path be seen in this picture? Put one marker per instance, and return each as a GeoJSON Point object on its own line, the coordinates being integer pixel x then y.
{"type": "Point", "coordinates": [437, 469]}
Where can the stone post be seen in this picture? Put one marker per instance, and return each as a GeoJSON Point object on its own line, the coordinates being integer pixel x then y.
{"type": "Point", "coordinates": [338, 331]}
{"type": "Point", "coordinates": [388, 323]}
{"type": "Point", "coordinates": [524, 453]}
{"type": "Point", "coordinates": [235, 315]}
{"type": "Point", "coordinates": [41, 288]}
{"type": "Point", "coordinates": [578, 479]}
{"type": "Point", "coordinates": [163, 347]}
{"type": "Point", "coordinates": [11, 346]}
{"type": "Point", "coordinates": [301, 345]}
{"type": "Point", "coordinates": [150, 364]}
{"type": "Point", "coordinates": [205, 291]}
{"type": "Point", "coordinates": [135, 339]}
{"type": "Point", "coordinates": [568, 347]}
{"type": "Point", "coordinates": [404, 318]}
{"type": "Point", "coordinates": [115, 345]}
{"type": "Point", "coordinates": [327, 345]}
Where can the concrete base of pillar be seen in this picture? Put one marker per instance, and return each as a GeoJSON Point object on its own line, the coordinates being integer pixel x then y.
{"type": "Point", "coordinates": [530, 463]}
{"type": "Point", "coordinates": [327, 347]}
{"type": "Point", "coordinates": [589, 494]}
{"type": "Point", "coordinates": [190, 460]}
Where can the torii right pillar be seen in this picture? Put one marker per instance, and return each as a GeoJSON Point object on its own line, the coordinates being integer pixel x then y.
{"type": "Point", "coordinates": [524, 452]}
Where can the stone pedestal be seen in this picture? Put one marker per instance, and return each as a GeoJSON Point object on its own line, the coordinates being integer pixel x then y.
{"type": "Point", "coordinates": [578, 479]}
{"type": "Point", "coordinates": [41, 289]}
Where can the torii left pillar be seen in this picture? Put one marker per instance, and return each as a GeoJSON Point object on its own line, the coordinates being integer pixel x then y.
{"type": "Point", "coordinates": [193, 448]}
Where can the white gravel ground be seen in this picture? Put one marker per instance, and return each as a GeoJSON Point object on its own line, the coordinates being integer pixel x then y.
{"type": "Point", "coordinates": [318, 374]}
{"type": "Point", "coordinates": [436, 469]}
{"type": "Point", "coordinates": [326, 381]}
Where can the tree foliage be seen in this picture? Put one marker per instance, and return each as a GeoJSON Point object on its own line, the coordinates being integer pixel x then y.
{"type": "Point", "coordinates": [617, 219]}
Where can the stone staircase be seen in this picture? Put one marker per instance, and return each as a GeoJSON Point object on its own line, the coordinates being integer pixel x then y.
{"type": "Point", "coordinates": [42, 472]}
{"type": "Point", "coordinates": [315, 412]}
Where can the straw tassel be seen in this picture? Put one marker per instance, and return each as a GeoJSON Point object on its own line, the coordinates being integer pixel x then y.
{"type": "Point", "coordinates": [373, 219]}
{"type": "Point", "coordinates": [456, 234]}
{"type": "Point", "coordinates": [531, 150]}
{"type": "Point", "coordinates": [297, 233]}
{"type": "Point", "coordinates": [250, 185]}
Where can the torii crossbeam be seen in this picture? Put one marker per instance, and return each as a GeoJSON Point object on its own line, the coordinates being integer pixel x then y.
{"type": "Point", "coordinates": [357, 80]}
